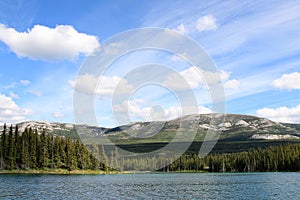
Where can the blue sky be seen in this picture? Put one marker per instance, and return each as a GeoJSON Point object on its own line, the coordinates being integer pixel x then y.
{"type": "Point", "coordinates": [43, 44]}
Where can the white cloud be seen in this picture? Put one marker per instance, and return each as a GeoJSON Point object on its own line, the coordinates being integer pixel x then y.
{"type": "Point", "coordinates": [196, 78]}
{"type": "Point", "coordinates": [42, 42]}
{"type": "Point", "coordinates": [176, 111]}
{"type": "Point", "coordinates": [181, 29]}
{"type": "Point", "coordinates": [232, 84]}
{"type": "Point", "coordinates": [288, 81]}
{"type": "Point", "coordinates": [25, 82]}
{"type": "Point", "coordinates": [113, 48]}
{"type": "Point", "coordinates": [105, 86]}
{"type": "Point", "coordinates": [281, 114]}
{"type": "Point", "coordinates": [206, 23]}
{"type": "Point", "coordinates": [58, 114]}
{"type": "Point", "coordinates": [192, 76]}
{"type": "Point", "coordinates": [131, 106]}
{"type": "Point", "coordinates": [10, 112]}
{"type": "Point", "coordinates": [36, 93]}
{"type": "Point", "coordinates": [13, 95]}
{"type": "Point", "coordinates": [136, 108]}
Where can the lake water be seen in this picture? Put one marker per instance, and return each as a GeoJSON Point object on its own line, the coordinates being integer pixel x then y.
{"type": "Point", "coordinates": [152, 186]}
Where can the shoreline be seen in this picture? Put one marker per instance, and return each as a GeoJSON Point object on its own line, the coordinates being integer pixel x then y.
{"type": "Point", "coordinates": [88, 172]}
{"type": "Point", "coordinates": [101, 172]}
{"type": "Point", "coordinates": [60, 172]}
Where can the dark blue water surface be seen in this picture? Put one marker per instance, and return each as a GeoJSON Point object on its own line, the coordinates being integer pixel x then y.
{"type": "Point", "coordinates": [152, 186]}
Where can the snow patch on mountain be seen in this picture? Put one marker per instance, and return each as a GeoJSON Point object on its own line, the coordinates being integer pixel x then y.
{"type": "Point", "coordinates": [242, 123]}
{"type": "Point", "coordinates": [273, 137]}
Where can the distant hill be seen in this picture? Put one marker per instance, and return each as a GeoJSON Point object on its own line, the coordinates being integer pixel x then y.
{"type": "Point", "coordinates": [233, 127]}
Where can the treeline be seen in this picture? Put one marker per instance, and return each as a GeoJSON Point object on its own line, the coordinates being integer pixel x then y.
{"type": "Point", "coordinates": [271, 159]}
{"type": "Point", "coordinates": [31, 150]}
{"type": "Point", "coordinates": [274, 158]}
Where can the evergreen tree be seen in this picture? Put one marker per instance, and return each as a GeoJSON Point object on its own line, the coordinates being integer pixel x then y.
{"type": "Point", "coordinates": [18, 147]}
{"type": "Point", "coordinates": [116, 157]}
{"type": "Point", "coordinates": [71, 161]}
{"type": "Point", "coordinates": [43, 151]}
{"type": "Point", "coordinates": [25, 150]}
{"type": "Point", "coordinates": [79, 154]}
{"type": "Point", "coordinates": [95, 156]}
{"type": "Point", "coordinates": [11, 149]}
{"type": "Point", "coordinates": [105, 159]}
{"type": "Point", "coordinates": [50, 142]}
{"type": "Point", "coordinates": [3, 152]}
{"type": "Point", "coordinates": [56, 152]}
{"type": "Point", "coordinates": [62, 152]}
{"type": "Point", "coordinates": [32, 149]}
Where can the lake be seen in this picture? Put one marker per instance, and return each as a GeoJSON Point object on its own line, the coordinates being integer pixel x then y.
{"type": "Point", "coordinates": [152, 186]}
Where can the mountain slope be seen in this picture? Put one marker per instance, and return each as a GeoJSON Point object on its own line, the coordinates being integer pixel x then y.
{"type": "Point", "coordinates": [233, 128]}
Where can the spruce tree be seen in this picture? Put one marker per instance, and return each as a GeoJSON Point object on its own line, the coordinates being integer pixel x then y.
{"type": "Point", "coordinates": [11, 149]}
{"type": "Point", "coordinates": [79, 154]}
{"type": "Point", "coordinates": [71, 161]}
{"type": "Point", "coordinates": [33, 148]}
{"type": "Point", "coordinates": [95, 156]}
{"type": "Point", "coordinates": [18, 147]}
{"type": "Point", "coordinates": [43, 151]}
{"type": "Point", "coordinates": [56, 152]}
{"type": "Point", "coordinates": [50, 144]}
{"type": "Point", "coordinates": [105, 159]}
{"type": "Point", "coordinates": [3, 147]}
{"type": "Point", "coordinates": [25, 150]}
{"type": "Point", "coordinates": [62, 152]}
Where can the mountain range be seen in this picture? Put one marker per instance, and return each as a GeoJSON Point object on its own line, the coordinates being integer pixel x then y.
{"type": "Point", "coordinates": [232, 127]}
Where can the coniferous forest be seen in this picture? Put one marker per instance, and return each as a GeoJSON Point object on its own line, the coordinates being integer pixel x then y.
{"type": "Point", "coordinates": [275, 158]}
{"type": "Point", "coordinates": [32, 150]}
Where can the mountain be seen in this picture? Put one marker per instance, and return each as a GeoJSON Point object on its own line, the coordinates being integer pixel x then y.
{"type": "Point", "coordinates": [233, 127]}
{"type": "Point", "coordinates": [61, 129]}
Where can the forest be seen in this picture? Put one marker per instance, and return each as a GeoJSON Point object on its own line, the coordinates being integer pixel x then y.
{"type": "Point", "coordinates": [270, 159]}
{"type": "Point", "coordinates": [32, 150]}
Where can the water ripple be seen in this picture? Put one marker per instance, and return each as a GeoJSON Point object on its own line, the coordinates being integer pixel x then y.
{"type": "Point", "coordinates": [152, 186]}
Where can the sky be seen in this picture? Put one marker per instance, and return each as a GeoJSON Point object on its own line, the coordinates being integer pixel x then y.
{"type": "Point", "coordinates": [254, 45]}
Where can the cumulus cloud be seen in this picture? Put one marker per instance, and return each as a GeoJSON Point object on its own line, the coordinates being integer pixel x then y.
{"type": "Point", "coordinates": [196, 78]}
{"type": "Point", "coordinates": [10, 112]}
{"type": "Point", "coordinates": [206, 23]}
{"type": "Point", "coordinates": [104, 86]}
{"type": "Point", "coordinates": [58, 114]}
{"type": "Point", "coordinates": [176, 111]}
{"type": "Point", "coordinates": [281, 114]}
{"type": "Point", "coordinates": [25, 82]}
{"type": "Point", "coordinates": [288, 81]}
{"type": "Point", "coordinates": [139, 110]}
{"type": "Point", "coordinates": [132, 107]}
{"type": "Point", "coordinates": [113, 48]}
{"type": "Point", "coordinates": [42, 42]}
{"type": "Point", "coordinates": [181, 29]}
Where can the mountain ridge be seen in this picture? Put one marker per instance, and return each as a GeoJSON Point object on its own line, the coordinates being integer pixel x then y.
{"type": "Point", "coordinates": [232, 126]}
